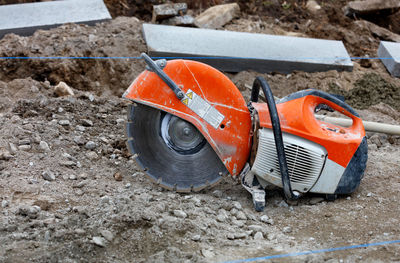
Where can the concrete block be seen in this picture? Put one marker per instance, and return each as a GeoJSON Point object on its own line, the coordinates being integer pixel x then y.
{"type": "Point", "coordinates": [24, 19]}
{"type": "Point", "coordinates": [390, 54]}
{"type": "Point", "coordinates": [217, 16]}
{"type": "Point", "coordinates": [238, 51]}
{"type": "Point", "coordinates": [371, 6]}
{"type": "Point", "coordinates": [164, 11]}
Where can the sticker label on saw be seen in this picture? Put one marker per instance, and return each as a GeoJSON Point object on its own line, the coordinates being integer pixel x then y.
{"type": "Point", "coordinates": [203, 108]}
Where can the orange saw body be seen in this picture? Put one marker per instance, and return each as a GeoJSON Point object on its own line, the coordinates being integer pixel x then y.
{"type": "Point", "coordinates": [189, 125]}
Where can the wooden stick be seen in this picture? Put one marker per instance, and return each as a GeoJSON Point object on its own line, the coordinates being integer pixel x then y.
{"type": "Point", "coordinates": [368, 125]}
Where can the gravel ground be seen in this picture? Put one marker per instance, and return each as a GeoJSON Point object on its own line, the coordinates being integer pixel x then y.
{"type": "Point", "coordinates": [70, 192]}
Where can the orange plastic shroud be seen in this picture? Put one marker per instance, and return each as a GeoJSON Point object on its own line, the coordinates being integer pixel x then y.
{"type": "Point", "coordinates": [297, 118]}
{"type": "Point", "coordinates": [231, 140]}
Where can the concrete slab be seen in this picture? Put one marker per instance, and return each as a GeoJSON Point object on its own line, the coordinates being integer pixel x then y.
{"type": "Point", "coordinates": [390, 54]}
{"type": "Point", "coordinates": [238, 51]}
{"type": "Point", "coordinates": [24, 19]}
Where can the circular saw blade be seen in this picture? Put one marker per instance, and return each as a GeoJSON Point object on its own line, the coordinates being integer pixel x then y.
{"type": "Point", "coordinates": [175, 170]}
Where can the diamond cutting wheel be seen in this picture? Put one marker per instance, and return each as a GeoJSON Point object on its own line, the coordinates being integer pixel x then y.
{"type": "Point", "coordinates": [172, 151]}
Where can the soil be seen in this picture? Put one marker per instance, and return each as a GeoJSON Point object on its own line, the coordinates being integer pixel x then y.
{"type": "Point", "coordinates": [70, 192]}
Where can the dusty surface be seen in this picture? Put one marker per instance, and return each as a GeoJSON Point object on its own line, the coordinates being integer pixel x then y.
{"type": "Point", "coordinates": [69, 191]}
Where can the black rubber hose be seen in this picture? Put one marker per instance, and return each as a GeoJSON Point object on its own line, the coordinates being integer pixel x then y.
{"type": "Point", "coordinates": [276, 128]}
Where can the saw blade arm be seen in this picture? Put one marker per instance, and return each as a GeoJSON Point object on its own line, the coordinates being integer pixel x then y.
{"type": "Point", "coordinates": [156, 69]}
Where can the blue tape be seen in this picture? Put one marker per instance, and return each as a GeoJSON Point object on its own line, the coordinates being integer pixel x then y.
{"type": "Point", "coordinates": [314, 251]}
{"type": "Point", "coordinates": [277, 58]}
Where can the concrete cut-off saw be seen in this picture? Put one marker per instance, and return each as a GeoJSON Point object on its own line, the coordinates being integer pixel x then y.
{"type": "Point", "coordinates": [189, 126]}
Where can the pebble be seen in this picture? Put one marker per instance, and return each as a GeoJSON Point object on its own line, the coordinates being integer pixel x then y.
{"type": "Point", "coordinates": [237, 205]}
{"type": "Point", "coordinates": [207, 253]}
{"type": "Point", "coordinates": [369, 194]}
{"type": "Point", "coordinates": [5, 155]}
{"type": "Point", "coordinates": [180, 214]}
{"type": "Point", "coordinates": [283, 204]}
{"type": "Point", "coordinates": [217, 193]}
{"type": "Point", "coordinates": [258, 236]}
{"type": "Point", "coordinates": [222, 218]}
{"type": "Point", "coordinates": [24, 142]}
{"type": "Point", "coordinates": [83, 176]}
{"type": "Point", "coordinates": [49, 221]}
{"type": "Point", "coordinates": [256, 228]}
{"type": "Point", "coordinates": [67, 163]}
{"type": "Point", "coordinates": [29, 211]}
{"type": "Point", "coordinates": [101, 242]}
{"type": "Point", "coordinates": [196, 238]}
{"type": "Point", "coordinates": [80, 184]}
{"type": "Point", "coordinates": [4, 203]}
{"type": "Point", "coordinates": [13, 148]}
{"type": "Point", "coordinates": [196, 201]}
{"type": "Point", "coordinates": [47, 235]}
{"type": "Point", "coordinates": [108, 235]}
{"type": "Point", "coordinates": [105, 199]}
{"type": "Point", "coordinates": [90, 145]}
{"type": "Point", "coordinates": [241, 216]}
{"type": "Point", "coordinates": [316, 200]}
{"type": "Point", "coordinates": [239, 223]}
{"type": "Point", "coordinates": [80, 128]}
{"type": "Point", "coordinates": [118, 176]}
{"type": "Point", "coordinates": [287, 229]}
{"type": "Point", "coordinates": [44, 147]}
{"type": "Point", "coordinates": [80, 231]}
{"type": "Point", "coordinates": [120, 121]}
{"type": "Point", "coordinates": [270, 236]}
{"type": "Point", "coordinates": [86, 122]}
{"type": "Point", "coordinates": [48, 175]}
{"type": "Point", "coordinates": [64, 122]}
{"type": "Point", "coordinates": [240, 235]}
{"type": "Point", "coordinates": [72, 177]}
{"type": "Point", "coordinates": [24, 147]}
{"type": "Point", "coordinates": [92, 155]}
{"type": "Point", "coordinates": [15, 118]}
{"type": "Point", "coordinates": [264, 218]}
{"type": "Point", "coordinates": [79, 140]}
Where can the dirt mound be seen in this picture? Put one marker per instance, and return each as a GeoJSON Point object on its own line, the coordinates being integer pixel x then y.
{"type": "Point", "coordinates": [119, 38]}
{"type": "Point", "coordinates": [370, 90]}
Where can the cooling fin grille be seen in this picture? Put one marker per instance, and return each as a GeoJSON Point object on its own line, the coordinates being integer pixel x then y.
{"type": "Point", "coordinates": [305, 160]}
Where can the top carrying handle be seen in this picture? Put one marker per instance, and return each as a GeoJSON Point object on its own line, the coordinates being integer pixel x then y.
{"type": "Point", "coordinates": [322, 97]}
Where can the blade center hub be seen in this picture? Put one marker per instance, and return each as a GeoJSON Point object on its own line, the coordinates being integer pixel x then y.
{"type": "Point", "coordinates": [181, 135]}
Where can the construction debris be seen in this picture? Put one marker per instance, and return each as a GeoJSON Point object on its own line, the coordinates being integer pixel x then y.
{"type": "Point", "coordinates": [389, 53]}
{"type": "Point", "coordinates": [22, 19]}
{"type": "Point", "coordinates": [263, 53]}
{"type": "Point", "coordinates": [313, 6]}
{"type": "Point", "coordinates": [164, 11]}
{"type": "Point", "coordinates": [378, 31]}
{"type": "Point", "coordinates": [62, 89]}
{"type": "Point", "coordinates": [217, 16]}
{"type": "Point", "coordinates": [186, 20]}
{"type": "Point", "coordinates": [371, 6]}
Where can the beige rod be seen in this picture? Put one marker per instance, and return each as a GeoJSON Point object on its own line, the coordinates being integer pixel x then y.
{"type": "Point", "coordinates": [368, 125]}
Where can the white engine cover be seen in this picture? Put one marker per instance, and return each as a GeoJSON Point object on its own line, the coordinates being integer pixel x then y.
{"type": "Point", "coordinates": [305, 160]}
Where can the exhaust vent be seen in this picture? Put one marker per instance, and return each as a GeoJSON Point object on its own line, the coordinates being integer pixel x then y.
{"type": "Point", "coordinates": [305, 160]}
